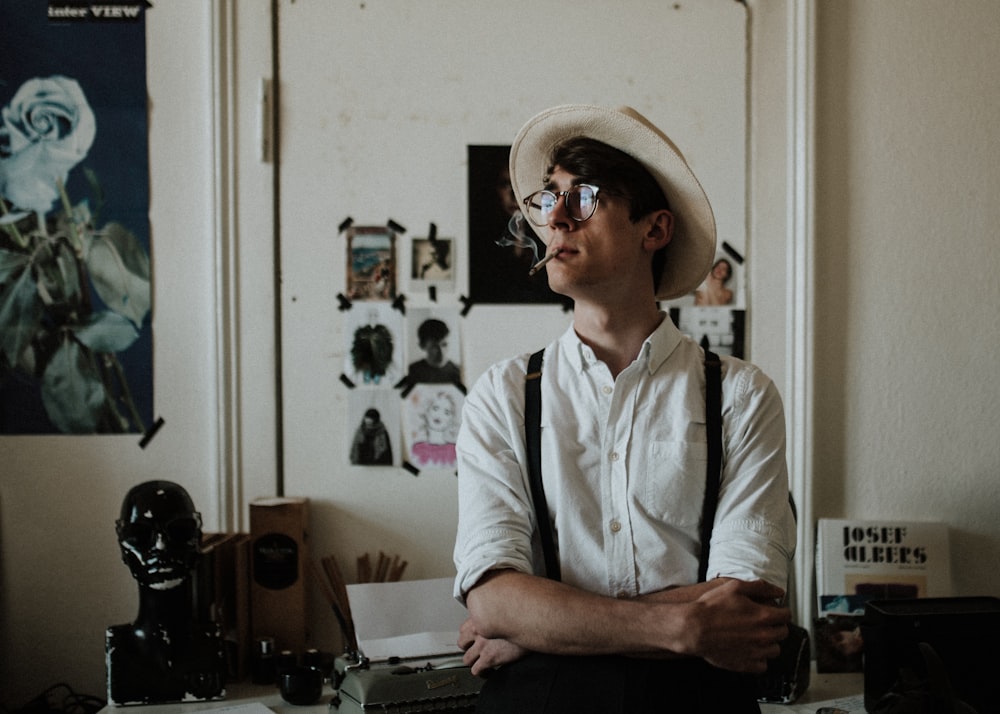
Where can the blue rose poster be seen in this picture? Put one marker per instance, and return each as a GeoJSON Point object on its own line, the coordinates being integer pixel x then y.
{"type": "Point", "coordinates": [75, 271]}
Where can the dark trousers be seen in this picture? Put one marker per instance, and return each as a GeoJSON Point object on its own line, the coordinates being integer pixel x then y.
{"type": "Point", "coordinates": [615, 685]}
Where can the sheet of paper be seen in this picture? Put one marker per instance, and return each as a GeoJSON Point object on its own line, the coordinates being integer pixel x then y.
{"type": "Point", "coordinates": [247, 708]}
{"type": "Point", "coordinates": [408, 618]}
{"type": "Point", "coordinates": [419, 645]}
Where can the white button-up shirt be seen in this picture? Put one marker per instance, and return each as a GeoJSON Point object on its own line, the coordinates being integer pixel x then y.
{"type": "Point", "coordinates": [623, 465]}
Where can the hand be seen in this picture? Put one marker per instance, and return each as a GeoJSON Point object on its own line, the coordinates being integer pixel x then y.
{"type": "Point", "coordinates": [737, 625]}
{"type": "Point", "coordinates": [483, 654]}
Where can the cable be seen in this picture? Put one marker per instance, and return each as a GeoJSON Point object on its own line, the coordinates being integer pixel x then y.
{"type": "Point", "coordinates": [71, 702]}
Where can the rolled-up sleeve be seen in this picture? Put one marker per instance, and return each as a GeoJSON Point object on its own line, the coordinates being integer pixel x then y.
{"type": "Point", "coordinates": [754, 534]}
{"type": "Point", "coordinates": [495, 519]}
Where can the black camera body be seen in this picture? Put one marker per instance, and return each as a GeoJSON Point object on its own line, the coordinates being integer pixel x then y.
{"type": "Point", "coordinates": [961, 634]}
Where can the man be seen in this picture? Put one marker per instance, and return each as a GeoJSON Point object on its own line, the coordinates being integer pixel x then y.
{"type": "Point", "coordinates": [435, 367]}
{"type": "Point", "coordinates": [627, 627]}
{"type": "Point", "coordinates": [371, 445]}
{"type": "Point", "coordinates": [714, 291]}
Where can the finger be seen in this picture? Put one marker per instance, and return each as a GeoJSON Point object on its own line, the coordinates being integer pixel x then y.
{"type": "Point", "coordinates": [480, 669]}
{"type": "Point", "coordinates": [775, 618]}
{"type": "Point", "coordinates": [763, 590]}
{"type": "Point", "coordinates": [469, 658]}
{"type": "Point", "coordinates": [773, 636]}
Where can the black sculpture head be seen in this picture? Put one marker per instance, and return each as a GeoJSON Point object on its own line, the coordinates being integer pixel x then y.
{"type": "Point", "coordinates": [159, 532]}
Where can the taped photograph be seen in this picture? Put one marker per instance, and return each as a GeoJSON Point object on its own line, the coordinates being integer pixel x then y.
{"type": "Point", "coordinates": [434, 346]}
{"type": "Point", "coordinates": [375, 345]}
{"type": "Point", "coordinates": [374, 420]}
{"type": "Point", "coordinates": [431, 418]}
{"type": "Point", "coordinates": [432, 264]}
{"type": "Point", "coordinates": [371, 263]}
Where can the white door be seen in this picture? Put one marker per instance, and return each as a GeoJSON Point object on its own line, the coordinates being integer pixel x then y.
{"type": "Point", "coordinates": [379, 103]}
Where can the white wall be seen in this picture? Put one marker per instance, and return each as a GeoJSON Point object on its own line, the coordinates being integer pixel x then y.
{"type": "Point", "coordinates": [908, 323]}
{"type": "Point", "coordinates": [62, 581]}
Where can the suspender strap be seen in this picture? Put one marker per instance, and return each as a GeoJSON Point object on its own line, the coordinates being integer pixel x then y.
{"type": "Point", "coordinates": [713, 472]}
{"type": "Point", "coordinates": [533, 436]}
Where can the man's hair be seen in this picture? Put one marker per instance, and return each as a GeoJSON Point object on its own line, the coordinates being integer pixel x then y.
{"type": "Point", "coordinates": [432, 329]}
{"type": "Point", "coordinates": [617, 173]}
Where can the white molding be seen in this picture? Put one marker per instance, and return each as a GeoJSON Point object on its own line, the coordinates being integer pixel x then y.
{"type": "Point", "coordinates": [244, 263]}
{"type": "Point", "coordinates": [782, 51]}
{"type": "Point", "coordinates": [800, 239]}
{"type": "Point", "coordinates": [227, 313]}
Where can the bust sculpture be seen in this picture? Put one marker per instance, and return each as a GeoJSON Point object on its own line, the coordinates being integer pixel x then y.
{"type": "Point", "coordinates": [165, 655]}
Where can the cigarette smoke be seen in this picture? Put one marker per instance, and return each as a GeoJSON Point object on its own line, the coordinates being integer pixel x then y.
{"type": "Point", "coordinates": [520, 235]}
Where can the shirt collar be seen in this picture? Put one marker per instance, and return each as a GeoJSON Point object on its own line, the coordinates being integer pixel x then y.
{"type": "Point", "coordinates": [661, 344]}
{"type": "Point", "coordinates": [655, 350]}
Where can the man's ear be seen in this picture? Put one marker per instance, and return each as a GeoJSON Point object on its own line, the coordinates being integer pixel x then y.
{"type": "Point", "coordinates": [660, 229]}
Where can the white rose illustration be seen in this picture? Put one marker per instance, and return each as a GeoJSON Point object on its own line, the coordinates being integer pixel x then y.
{"type": "Point", "coordinates": [45, 130]}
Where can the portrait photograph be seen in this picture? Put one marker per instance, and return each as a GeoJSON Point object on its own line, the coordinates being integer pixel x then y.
{"type": "Point", "coordinates": [373, 427]}
{"type": "Point", "coordinates": [432, 263]}
{"type": "Point", "coordinates": [434, 346]}
{"type": "Point", "coordinates": [502, 245]}
{"type": "Point", "coordinates": [723, 286]}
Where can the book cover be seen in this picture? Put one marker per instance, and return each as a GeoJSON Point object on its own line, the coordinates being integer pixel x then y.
{"type": "Point", "coordinates": [857, 561]}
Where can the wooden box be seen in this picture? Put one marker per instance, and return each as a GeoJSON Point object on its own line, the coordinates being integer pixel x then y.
{"type": "Point", "coordinates": [279, 561]}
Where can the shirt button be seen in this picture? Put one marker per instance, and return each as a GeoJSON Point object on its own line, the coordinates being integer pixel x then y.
{"type": "Point", "coordinates": [615, 526]}
{"type": "Point", "coordinates": [614, 456]}
{"type": "Point", "coordinates": [622, 595]}
{"type": "Point", "coordinates": [607, 390]}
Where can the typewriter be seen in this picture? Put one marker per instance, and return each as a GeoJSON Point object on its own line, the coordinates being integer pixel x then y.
{"type": "Point", "coordinates": [404, 657]}
{"type": "Point", "coordinates": [403, 685]}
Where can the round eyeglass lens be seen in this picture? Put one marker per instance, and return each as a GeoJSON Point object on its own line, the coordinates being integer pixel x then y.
{"type": "Point", "coordinates": [540, 205]}
{"type": "Point", "coordinates": [581, 202]}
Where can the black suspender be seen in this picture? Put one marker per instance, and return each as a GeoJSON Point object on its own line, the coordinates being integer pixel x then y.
{"type": "Point", "coordinates": [713, 471]}
{"type": "Point", "coordinates": [533, 435]}
{"type": "Point", "coordinates": [533, 429]}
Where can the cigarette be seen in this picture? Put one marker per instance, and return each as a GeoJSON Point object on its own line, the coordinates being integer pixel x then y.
{"type": "Point", "coordinates": [542, 263]}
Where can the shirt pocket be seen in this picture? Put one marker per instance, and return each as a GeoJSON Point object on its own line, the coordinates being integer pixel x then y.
{"type": "Point", "coordinates": [674, 478]}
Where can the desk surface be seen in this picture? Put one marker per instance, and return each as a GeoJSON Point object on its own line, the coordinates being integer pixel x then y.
{"type": "Point", "coordinates": [822, 688]}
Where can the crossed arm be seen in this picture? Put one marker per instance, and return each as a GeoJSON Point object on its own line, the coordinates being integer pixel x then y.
{"type": "Point", "coordinates": [732, 624]}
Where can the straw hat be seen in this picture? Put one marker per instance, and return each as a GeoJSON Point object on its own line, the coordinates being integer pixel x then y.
{"type": "Point", "coordinates": [691, 251]}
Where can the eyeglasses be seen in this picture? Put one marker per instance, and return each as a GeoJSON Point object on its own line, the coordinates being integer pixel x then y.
{"type": "Point", "coordinates": [581, 202]}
